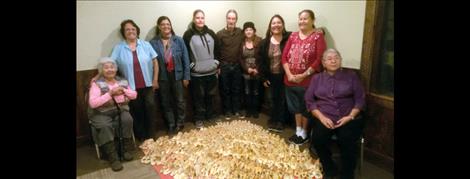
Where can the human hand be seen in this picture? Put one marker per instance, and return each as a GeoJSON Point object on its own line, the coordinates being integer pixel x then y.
{"type": "Point", "coordinates": [185, 83]}
{"type": "Point", "coordinates": [155, 85]}
{"type": "Point", "coordinates": [290, 77]}
{"type": "Point", "coordinates": [117, 91]}
{"type": "Point", "coordinates": [344, 120]}
{"type": "Point", "coordinates": [327, 122]}
{"type": "Point", "coordinates": [267, 84]}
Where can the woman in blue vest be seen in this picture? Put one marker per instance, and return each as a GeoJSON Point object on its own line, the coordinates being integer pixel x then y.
{"type": "Point", "coordinates": [104, 114]}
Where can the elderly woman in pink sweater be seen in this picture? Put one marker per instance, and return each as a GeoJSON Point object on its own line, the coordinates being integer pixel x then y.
{"type": "Point", "coordinates": [106, 90]}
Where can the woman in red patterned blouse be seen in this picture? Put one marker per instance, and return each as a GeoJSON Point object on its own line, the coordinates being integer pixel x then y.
{"type": "Point", "coordinates": [301, 58]}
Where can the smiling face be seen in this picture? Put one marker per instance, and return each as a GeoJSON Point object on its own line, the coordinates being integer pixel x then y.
{"type": "Point", "coordinates": [305, 22]}
{"type": "Point", "coordinates": [331, 61]}
{"type": "Point", "coordinates": [249, 32]}
{"type": "Point", "coordinates": [199, 20]}
{"type": "Point", "coordinates": [130, 32]}
{"type": "Point", "coordinates": [276, 26]}
{"type": "Point", "coordinates": [231, 20]}
{"type": "Point", "coordinates": [165, 27]}
{"type": "Point", "coordinates": [109, 70]}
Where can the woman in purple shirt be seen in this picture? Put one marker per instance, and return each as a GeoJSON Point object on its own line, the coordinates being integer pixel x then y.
{"type": "Point", "coordinates": [335, 97]}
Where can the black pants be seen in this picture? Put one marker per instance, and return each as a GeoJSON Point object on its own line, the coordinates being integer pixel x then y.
{"type": "Point", "coordinates": [278, 98]}
{"type": "Point", "coordinates": [203, 90]}
{"type": "Point", "coordinates": [171, 93]}
{"type": "Point", "coordinates": [252, 95]}
{"type": "Point", "coordinates": [143, 110]}
{"type": "Point", "coordinates": [231, 79]}
{"type": "Point", "coordinates": [347, 138]}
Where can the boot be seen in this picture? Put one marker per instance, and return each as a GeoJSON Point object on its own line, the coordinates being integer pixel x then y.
{"type": "Point", "coordinates": [128, 146]}
{"type": "Point", "coordinates": [110, 151]}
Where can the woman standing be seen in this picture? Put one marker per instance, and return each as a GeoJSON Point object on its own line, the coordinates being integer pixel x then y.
{"type": "Point", "coordinates": [137, 62]}
{"type": "Point", "coordinates": [250, 66]}
{"type": "Point", "coordinates": [271, 71]}
{"type": "Point", "coordinates": [174, 73]}
{"type": "Point", "coordinates": [301, 58]}
{"type": "Point", "coordinates": [203, 51]}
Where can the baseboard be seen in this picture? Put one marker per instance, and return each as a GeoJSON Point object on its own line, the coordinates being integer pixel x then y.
{"type": "Point", "coordinates": [382, 161]}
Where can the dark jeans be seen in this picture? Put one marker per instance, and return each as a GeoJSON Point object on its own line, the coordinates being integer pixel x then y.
{"type": "Point", "coordinates": [231, 79]}
{"type": "Point", "coordinates": [171, 93]}
{"type": "Point", "coordinates": [143, 110]}
{"type": "Point", "coordinates": [348, 136]}
{"type": "Point", "coordinates": [278, 98]}
{"type": "Point", "coordinates": [252, 95]}
{"type": "Point", "coordinates": [203, 90]}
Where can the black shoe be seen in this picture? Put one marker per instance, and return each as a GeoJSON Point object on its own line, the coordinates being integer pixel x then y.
{"type": "Point", "coordinates": [299, 140]}
{"type": "Point", "coordinates": [199, 124]}
{"type": "Point", "coordinates": [110, 151]}
{"type": "Point", "coordinates": [277, 127]}
{"type": "Point", "coordinates": [172, 131]}
{"type": "Point", "coordinates": [271, 126]}
{"type": "Point", "coordinates": [293, 138]}
{"type": "Point", "coordinates": [179, 128]}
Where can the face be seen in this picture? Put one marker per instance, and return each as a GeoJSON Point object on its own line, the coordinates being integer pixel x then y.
{"type": "Point", "coordinates": [332, 62]}
{"type": "Point", "coordinates": [165, 27]}
{"type": "Point", "coordinates": [305, 21]}
{"type": "Point", "coordinates": [276, 26]}
{"type": "Point", "coordinates": [199, 20]}
{"type": "Point", "coordinates": [231, 20]}
{"type": "Point", "coordinates": [130, 32]}
{"type": "Point", "coordinates": [109, 70]}
{"type": "Point", "coordinates": [249, 32]}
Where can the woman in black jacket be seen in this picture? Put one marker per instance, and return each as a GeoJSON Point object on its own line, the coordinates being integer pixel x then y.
{"type": "Point", "coordinates": [271, 71]}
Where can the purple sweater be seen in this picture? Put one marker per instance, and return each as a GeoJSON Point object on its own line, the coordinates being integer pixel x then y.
{"type": "Point", "coordinates": [335, 95]}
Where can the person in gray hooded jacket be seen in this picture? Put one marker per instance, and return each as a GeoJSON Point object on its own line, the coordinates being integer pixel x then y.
{"type": "Point", "coordinates": [202, 45]}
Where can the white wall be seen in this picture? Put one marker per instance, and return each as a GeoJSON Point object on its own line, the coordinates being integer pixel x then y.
{"type": "Point", "coordinates": [98, 22]}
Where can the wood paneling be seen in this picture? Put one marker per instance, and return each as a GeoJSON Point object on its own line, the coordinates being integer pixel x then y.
{"type": "Point", "coordinates": [379, 128]}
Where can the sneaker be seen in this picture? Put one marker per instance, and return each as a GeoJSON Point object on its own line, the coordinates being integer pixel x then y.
{"type": "Point", "coordinates": [299, 140]}
{"type": "Point", "coordinates": [172, 131]}
{"type": "Point", "coordinates": [271, 126]}
{"type": "Point", "coordinates": [199, 124]}
{"type": "Point", "coordinates": [293, 138]}
{"type": "Point", "coordinates": [277, 127]}
{"type": "Point", "coordinates": [227, 116]}
{"type": "Point", "coordinates": [241, 116]}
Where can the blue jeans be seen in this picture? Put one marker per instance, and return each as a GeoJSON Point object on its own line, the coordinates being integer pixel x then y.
{"type": "Point", "coordinates": [171, 93]}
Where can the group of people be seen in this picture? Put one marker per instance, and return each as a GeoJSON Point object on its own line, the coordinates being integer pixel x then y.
{"type": "Point", "coordinates": [303, 78]}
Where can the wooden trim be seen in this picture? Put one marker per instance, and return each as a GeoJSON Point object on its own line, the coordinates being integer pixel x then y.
{"type": "Point", "coordinates": [381, 100]}
{"type": "Point", "coordinates": [382, 161]}
{"type": "Point", "coordinates": [368, 43]}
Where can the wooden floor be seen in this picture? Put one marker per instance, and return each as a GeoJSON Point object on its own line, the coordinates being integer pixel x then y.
{"type": "Point", "coordinates": [89, 166]}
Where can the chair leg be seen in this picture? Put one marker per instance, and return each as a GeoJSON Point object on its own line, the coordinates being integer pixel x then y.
{"type": "Point", "coordinates": [97, 148]}
{"type": "Point", "coordinates": [362, 156]}
{"type": "Point", "coordinates": [133, 139]}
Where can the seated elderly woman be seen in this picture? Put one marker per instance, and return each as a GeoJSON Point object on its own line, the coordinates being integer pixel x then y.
{"type": "Point", "coordinates": [335, 98]}
{"type": "Point", "coordinates": [105, 90]}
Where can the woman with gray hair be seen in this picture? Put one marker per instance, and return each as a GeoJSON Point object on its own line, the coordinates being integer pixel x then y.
{"type": "Point", "coordinates": [104, 92]}
{"type": "Point", "coordinates": [335, 97]}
